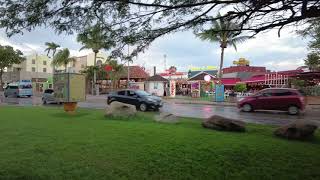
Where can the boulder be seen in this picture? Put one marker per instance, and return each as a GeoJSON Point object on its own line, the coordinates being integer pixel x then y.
{"type": "Point", "coordinates": [166, 118]}
{"type": "Point", "coordinates": [223, 124]}
{"type": "Point", "coordinates": [118, 109]}
{"type": "Point", "coordinates": [297, 130]}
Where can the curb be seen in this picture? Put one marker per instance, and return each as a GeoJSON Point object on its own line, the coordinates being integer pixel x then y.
{"type": "Point", "coordinates": [200, 103]}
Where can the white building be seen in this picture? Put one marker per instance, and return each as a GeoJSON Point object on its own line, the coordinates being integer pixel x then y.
{"type": "Point", "coordinates": [156, 85]}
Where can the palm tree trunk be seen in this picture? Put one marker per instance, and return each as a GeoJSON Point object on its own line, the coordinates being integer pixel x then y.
{"type": "Point", "coordinates": [95, 91]}
{"type": "Point", "coordinates": [1, 73]}
{"type": "Point", "coordinates": [221, 64]}
{"type": "Point", "coordinates": [65, 68]}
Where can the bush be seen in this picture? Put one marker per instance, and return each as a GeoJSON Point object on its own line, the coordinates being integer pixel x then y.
{"type": "Point", "coordinates": [311, 90]}
{"type": "Point", "coordinates": [240, 87]}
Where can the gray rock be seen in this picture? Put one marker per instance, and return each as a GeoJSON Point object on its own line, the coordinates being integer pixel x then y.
{"type": "Point", "coordinates": [167, 118]}
{"type": "Point", "coordinates": [298, 130]}
{"type": "Point", "coordinates": [223, 124]}
{"type": "Point", "coordinates": [118, 109]}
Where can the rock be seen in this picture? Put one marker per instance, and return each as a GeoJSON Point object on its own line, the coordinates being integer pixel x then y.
{"type": "Point", "coordinates": [297, 130]}
{"type": "Point", "coordinates": [167, 118]}
{"type": "Point", "coordinates": [223, 124]}
{"type": "Point", "coordinates": [118, 109]}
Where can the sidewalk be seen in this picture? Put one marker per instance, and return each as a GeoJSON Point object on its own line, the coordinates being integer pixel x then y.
{"type": "Point", "coordinates": [194, 101]}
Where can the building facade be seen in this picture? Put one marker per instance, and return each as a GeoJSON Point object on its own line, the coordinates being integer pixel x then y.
{"type": "Point", "coordinates": [36, 68]}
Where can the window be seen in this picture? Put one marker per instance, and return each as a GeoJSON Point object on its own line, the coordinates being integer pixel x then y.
{"type": "Point", "coordinates": [13, 87]}
{"type": "Point", "coordinates": [82, 66]}
{"type": "Point", "coordinates": [44, 62]}
{"type": "Point", "coordinates": [33, 69]}
{"type": "Point", "coordinates": [283, 92]}
{"type": "Point", "coordinates": [99, 63]}
{"type": "Point", "coordinates": [26, 86]}
{"type": "Point", "coordinates": [48, 91]}
{"type": "Point", "coordinates": [122, 93]}
{"type": "Point", "coordinates": [44, 69]}
{"type": "Point", "coordinates": [155, 85]}
{"type": "Point", "coordinates": [267, 93]}
{"type": "Point", "coordinates": [131, 93]}
{"type": "Point", "coordinates": [74, 64]}
{"type": "Point", "coordinates": [33, 61]}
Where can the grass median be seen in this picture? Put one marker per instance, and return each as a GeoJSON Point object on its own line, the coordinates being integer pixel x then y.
{"type": "Point", "coordinates": [46, 143]}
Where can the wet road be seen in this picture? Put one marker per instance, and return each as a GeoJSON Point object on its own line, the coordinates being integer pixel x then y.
{"type": "Point", "coordinates": [191, 110]}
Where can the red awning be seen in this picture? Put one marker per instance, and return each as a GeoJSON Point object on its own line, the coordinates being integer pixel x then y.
{"type": "Point", "coordinates": [229, 81]}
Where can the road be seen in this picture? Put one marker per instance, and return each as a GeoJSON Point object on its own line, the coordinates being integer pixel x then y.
{"type": "Point", "coordinates": [190, 110]}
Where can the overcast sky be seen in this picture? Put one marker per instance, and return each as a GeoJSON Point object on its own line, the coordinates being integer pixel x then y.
{"type": "Point", "coordinates": [184, 49]}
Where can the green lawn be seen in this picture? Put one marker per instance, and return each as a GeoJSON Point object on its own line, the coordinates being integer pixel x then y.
{"type": "Point", "coordinates": [45, 143]}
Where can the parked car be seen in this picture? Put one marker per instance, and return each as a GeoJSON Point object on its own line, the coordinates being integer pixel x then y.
{"type": "Point", "coordinates": [141, 99]}
{"type": "Point", "coordinates": [48, 97]}
{"type": "Point", "coordinates": [283, 99]}
{"type": "Point", "coordinates": [18, 89]}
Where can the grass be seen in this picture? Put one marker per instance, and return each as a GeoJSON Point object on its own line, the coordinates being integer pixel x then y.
{"type": "Point", "coordinates": [45, 143]}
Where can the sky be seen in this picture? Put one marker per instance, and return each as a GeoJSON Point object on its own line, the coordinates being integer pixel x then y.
{"type": "Point", "coordinates": [184, 49]}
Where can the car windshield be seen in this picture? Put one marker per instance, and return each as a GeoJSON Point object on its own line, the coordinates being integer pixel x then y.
{"type": "Point", "coordinates": [142, 93]}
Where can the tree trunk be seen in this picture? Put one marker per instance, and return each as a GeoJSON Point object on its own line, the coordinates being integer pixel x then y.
{"type": "Point", "coordinates": [1, 85]}
{"type": "Point", "coordinates": [221, 64]}
{"type": "Point", "coordinates": [95, 91]}
{"type": "Point", "coordinates": [65, 68]}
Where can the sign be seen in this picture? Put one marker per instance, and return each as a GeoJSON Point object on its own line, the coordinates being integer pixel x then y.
{"type": "Point", "coordinates": [242, 62]}
{"type": "Point", "coordinates": [172, 88]}
{"type": "Point", "coordinates": [204, 68]}
{"type": "Point", "coordinates": [69, 87]}
{"type": "Point", "coordinates": [219, 92]}
{"type": "Point", "coordinates": [136, 85]}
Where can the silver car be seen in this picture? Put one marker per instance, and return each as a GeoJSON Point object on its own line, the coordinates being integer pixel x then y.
{"type": "Point", "coordinates": [48, 97]}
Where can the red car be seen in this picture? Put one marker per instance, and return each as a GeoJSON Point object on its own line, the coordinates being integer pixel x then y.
{"type": "Point", "coordinates": [283, 99]}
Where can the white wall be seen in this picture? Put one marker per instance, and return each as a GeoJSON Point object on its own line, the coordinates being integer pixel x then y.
{"type": "Point", "coordinates": [156, 88]}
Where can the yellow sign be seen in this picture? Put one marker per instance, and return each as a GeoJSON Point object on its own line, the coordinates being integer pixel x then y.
{"type": "Point", "coordinates": [77, 88]}
{"type": "Point", "coordinates": [203, 68]}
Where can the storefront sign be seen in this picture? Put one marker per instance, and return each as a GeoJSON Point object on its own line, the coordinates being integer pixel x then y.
{"type": "Point", "coordinates": [219, 92]}
{"type": "Point", "coordinates": [203, 68]}
{"type": "Point", "coordinates": [172, 88]}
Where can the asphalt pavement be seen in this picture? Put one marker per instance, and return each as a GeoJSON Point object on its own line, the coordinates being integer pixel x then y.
{"type": "Point", "coordinates": [188, 110]}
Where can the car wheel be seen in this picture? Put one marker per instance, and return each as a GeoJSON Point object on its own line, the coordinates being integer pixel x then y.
{"type": "Point", "coordinates": [143, 107]}
{"type": "Point", "coordinates": [44, 101]}
{"type": "Point", "coordinates": [293, 110]}
{"type": "Point", "coordinates": [246, 108]}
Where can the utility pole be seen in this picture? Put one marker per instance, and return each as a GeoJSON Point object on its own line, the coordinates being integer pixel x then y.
{"type": "Point", "coordinates": [128, 80]}
{"type": "Point", "coordinates": [165, 62]}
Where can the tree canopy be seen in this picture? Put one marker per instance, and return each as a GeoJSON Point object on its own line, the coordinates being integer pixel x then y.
{"type": "Point", "coordinates": [95, 38]}
{"type": "Point", "coordinates": [140, 22]}
{"type": "Point", "coordinates": [9, 57]}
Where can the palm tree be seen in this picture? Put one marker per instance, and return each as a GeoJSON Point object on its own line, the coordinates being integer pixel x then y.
{"type": "Point", "coordinates": [62, 58]}
{"type": "Point", "coordinates": [51, 46]}
{"type": "Point", "coordinates": [94, 38]}
{"type": "Point", "coordinates": [313, 61]}
{"type": "Point", "coordinates": [223, 31]}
